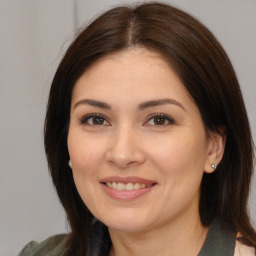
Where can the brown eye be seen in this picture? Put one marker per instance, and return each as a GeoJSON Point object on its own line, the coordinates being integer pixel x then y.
{"type": "Point", "coordinates": [94, 119]}
{"type": "Point", "coordinates": [159, 120]}
{"type": "Point", "coordinates": [97, 120]}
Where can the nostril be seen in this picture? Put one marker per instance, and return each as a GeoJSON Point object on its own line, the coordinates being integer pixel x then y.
{"type": "Point", "coordinates": [125, 161]}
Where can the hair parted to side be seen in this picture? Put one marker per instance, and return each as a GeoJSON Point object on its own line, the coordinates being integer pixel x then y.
{"type": "Point", "coordinates": [208, 76]}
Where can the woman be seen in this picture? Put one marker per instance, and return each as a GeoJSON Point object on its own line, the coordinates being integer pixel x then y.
{"type": "Point", "coordinates": [148, 141]}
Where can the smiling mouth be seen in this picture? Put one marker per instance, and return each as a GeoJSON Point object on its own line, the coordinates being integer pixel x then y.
{"type": "Point", "coordinates": [127, 186]}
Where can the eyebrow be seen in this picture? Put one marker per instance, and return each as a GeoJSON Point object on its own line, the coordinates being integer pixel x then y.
{"type": "Point", "coordinates": [158, 102]}
{"type": "Point", "coordinates": [94, 103]}
{"type": "Point", "coordinates": [142, 106]}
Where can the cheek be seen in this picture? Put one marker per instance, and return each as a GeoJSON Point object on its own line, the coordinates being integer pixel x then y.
{"type": "Point", "coordinates": [84, 152]}
{"type": "Point", "coordinates": [86, 156]}
{"type": "Point", "coordinates": [180, 163]}
{"type": "Point", "coordinates": [179, 155]}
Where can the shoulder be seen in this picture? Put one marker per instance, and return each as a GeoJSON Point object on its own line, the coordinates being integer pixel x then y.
{"type": "Point", "coordinates": [52, 246]}
{"type": "Point", "coordinates": [244, 250]}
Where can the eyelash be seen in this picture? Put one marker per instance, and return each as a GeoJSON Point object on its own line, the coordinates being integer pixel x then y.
{"type": "Point", "coordinates": [161, 115]}
{"type": "Point", "coordinates": [84, 120]}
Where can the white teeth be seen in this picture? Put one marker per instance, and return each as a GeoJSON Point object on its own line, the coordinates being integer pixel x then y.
{"type": "Point", "coordinates": [114, 185]}
{"type": "Point", "coordinates": [120, 186]}
{"type": "Point", "coordinates": [109, 184]}
{"type": "Point", "coordinates": [127, 186]}
{"type": "Point", "coordinates": [137, 186]}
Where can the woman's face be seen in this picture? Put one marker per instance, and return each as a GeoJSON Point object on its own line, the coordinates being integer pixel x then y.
{"type": "Point", "coordinates": [137, 143]}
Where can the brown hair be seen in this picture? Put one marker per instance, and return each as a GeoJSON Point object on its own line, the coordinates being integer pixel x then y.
{"type": "Point", "coordinates": [208, 76]}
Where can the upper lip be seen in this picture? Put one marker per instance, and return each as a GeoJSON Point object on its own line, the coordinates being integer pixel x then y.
{"type": "Point", "coordinates": [130, 179]}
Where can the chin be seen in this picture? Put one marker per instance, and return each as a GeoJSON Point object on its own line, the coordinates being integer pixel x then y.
{"type": "Point", "coordinates": [127, 227]}
{"type": "Point", "coordinates": [126, 223]}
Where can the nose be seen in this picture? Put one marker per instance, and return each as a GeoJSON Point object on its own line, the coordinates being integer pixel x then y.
{"type": "Point", "coordinates": [125, 149]}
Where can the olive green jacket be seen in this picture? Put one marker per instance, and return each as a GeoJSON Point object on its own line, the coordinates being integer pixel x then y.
{"type": "Point", "coordinates": [53, 246]}
{"type": "Point", "coordinates": [219, 242]}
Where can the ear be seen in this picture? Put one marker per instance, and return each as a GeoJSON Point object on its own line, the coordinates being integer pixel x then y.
{"type": "Point", "coordinates": [216, 147]}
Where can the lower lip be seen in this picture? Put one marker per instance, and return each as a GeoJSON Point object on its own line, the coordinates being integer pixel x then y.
{"type": "Point", "coordinates": [126, 195]}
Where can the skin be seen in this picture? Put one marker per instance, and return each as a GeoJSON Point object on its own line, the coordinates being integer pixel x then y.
{"type": "Point", "coordinates": [130, 142]}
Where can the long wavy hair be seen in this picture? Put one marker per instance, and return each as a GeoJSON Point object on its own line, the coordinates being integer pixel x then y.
{"type": "Point", "coordinates": [206, 72]}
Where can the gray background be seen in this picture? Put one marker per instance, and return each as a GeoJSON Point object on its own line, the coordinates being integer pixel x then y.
{"type": "Point", "coordinates": [33, 36]}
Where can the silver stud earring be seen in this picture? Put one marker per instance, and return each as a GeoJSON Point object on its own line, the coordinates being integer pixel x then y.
{"type": "Point", "coordinates": [70, 164]}
{"type": "Point", "coordinates": [213, 166]}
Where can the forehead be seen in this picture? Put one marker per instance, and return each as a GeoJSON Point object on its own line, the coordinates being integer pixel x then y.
{"type": "Point", "coordinates": [133, 72]}
{"type": "Point", "coordinates": [133, 61]}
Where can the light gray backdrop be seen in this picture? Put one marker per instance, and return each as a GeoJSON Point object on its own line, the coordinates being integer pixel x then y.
{"type": "Point", "coordinates": [33, 37]}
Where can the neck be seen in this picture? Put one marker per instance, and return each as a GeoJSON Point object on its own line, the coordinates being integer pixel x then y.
{"type": "Point", "coordinates": [184, 236]}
